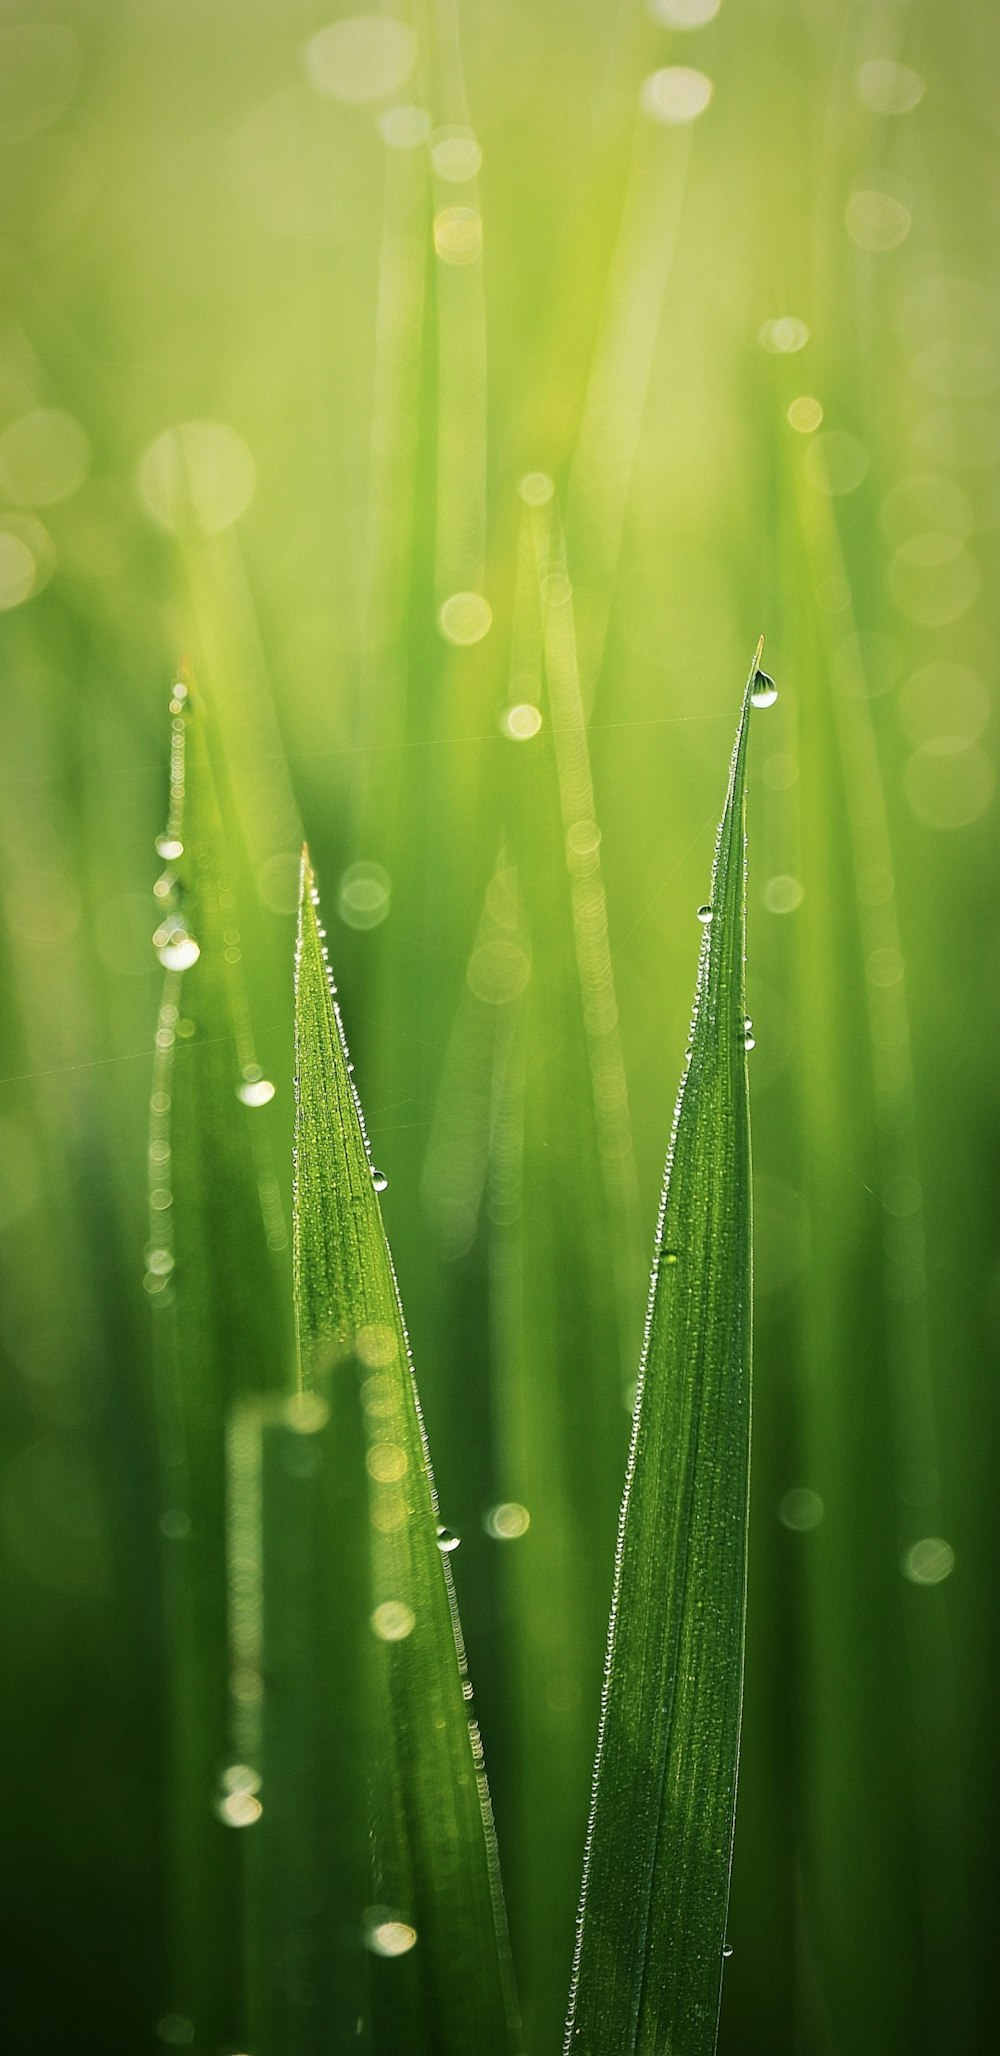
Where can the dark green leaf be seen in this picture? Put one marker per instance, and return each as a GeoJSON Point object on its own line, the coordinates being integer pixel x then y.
{"type": "Point", "coordinates": [434, 1925]}
{"type": "Point", "coordinates": [651, 1927]}
{"type": "Point", "coordinates": [215, 1233]}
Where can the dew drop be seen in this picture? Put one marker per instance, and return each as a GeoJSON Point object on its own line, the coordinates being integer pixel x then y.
{"type": "Point", "coordinates": [240, 1777]}
{"type": "Point", "coordinates": [238, 1809]}
{"type": "Point", "coordinates": [727, 1950]}
{"type": "Point", "coordinates": [749, 1038]}
{"type": "Point", "coordinates": [385, 1934]}
{"type": "Point", "coordinates": [929, 1561]}
{"type": "Point", "coordinates": [175, 2029]}
{"type": "Point", "coordinates": [507, 1521]}
{"type": "Point", "coordinates": [379, 1179]}
{"type": "Point", "coordinates": [800, 1509]}
{"type": "Point", "coordinates": [179, 953]}
{"type": "Point", "coordinates": [393, 1621]}
{"type": "Point", "coordinates": [169, 847]}
{"type": "Point", "coordinates": [704, 915]}
{"type": "Point", "coordinates": [447, 1540]}
{"type": "Point", "coordinates": [255, 1092]}
{"type": "Point", "coordinates": [763, 692]}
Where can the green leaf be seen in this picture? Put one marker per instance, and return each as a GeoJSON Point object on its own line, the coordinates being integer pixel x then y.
{"type": "Point", "coordinates": [651, 1926]}
{"type": "Point", "coordinates": [215, 1285]}
{"type": "Point", "coordinates": [434, 1925]}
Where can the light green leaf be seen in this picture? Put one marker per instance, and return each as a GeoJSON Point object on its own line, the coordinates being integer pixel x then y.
{"type": "Point", "coordinates": [434, 1926]}
{"type": "Point", "coordinates": [651, 1927]}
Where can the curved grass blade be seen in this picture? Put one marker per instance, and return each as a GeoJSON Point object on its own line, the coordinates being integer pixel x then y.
{"type": "Point", "coordinates": [214, 1281]}
{"type": "Point", "coordinates": [439, 1969]}
{"type": "Point", "coordinates": [647, 1971]}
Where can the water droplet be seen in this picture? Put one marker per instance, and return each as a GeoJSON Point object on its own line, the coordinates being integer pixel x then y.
{"type": "Point", "coordinates": [800, 1509]}
{"type": "Point", "coordinates": [255, 1092]}
{"type": "Point", "coordinates": [306, 1413]}
{"type": "Point", "coordinates": [784, 335]}
{"type": "Point", "coordinates": [180, 691]}
{"type": "Point", "coordinates": [240, 1777]}
{"type": "Point", "coordinates": [447, 1540]}
{"type": "Point", "coordinates": [763, 692]}
{"type": "Point", "coordinates": [169, 847]}
{"type": "Point", "coordinates": [507, 1521]}
{"type": "Point", "coordinates": [387, 1462]}
{"type": "Point", "coordinates": [463, 617]}
{"type": "Point", "coordinates": [385, 1934]}
{"type": "Point", "coordinates": [393, 1621]}
{"type": "Point", "coordinates": [929, 1561]}
{"type": "Point", "coordinates": [179, 953]}
{"type": "Point", "coordinates": [727, 1950]}
{"type": "Point", "coordinates": [364, 897]}
{"type": "Point", "coordinates": [749, 1038]}
{"type": "Point", "coordinates": [176, 2030]}
{"type": "Point", "coordinates": [705, 915]}
{"type": "Point", "coordinates": [379, 1180]}
{"type": "Point", "coordinates": [239, 1809]}
{"type": "Point", "coordinates": [521, 722]}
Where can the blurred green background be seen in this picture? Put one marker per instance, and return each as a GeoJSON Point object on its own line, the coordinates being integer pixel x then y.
{"type": "Point", "coordinates": [651, 327]}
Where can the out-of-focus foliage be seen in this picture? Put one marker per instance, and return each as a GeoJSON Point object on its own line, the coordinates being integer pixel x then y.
{"type": "Point", "coordinates": [461, 393]}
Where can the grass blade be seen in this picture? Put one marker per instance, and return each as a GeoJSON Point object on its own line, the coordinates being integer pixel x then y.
{"type": "Point", "coordinates": [440, 1975]}
{"type": "Point", "coordinates": [651, 1927]}
{"type": "Point", "coordinates": [213, 1279]}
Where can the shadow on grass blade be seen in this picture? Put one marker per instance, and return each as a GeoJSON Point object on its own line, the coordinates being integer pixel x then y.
{"type": "Point", "coordinates": [434, 1926]}
{"type": "Point", "coordinates": [647, 1970]}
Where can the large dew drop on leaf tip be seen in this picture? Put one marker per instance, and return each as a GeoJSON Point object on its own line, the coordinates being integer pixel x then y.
{"type": "Point", "coordinates": [764, 692]}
